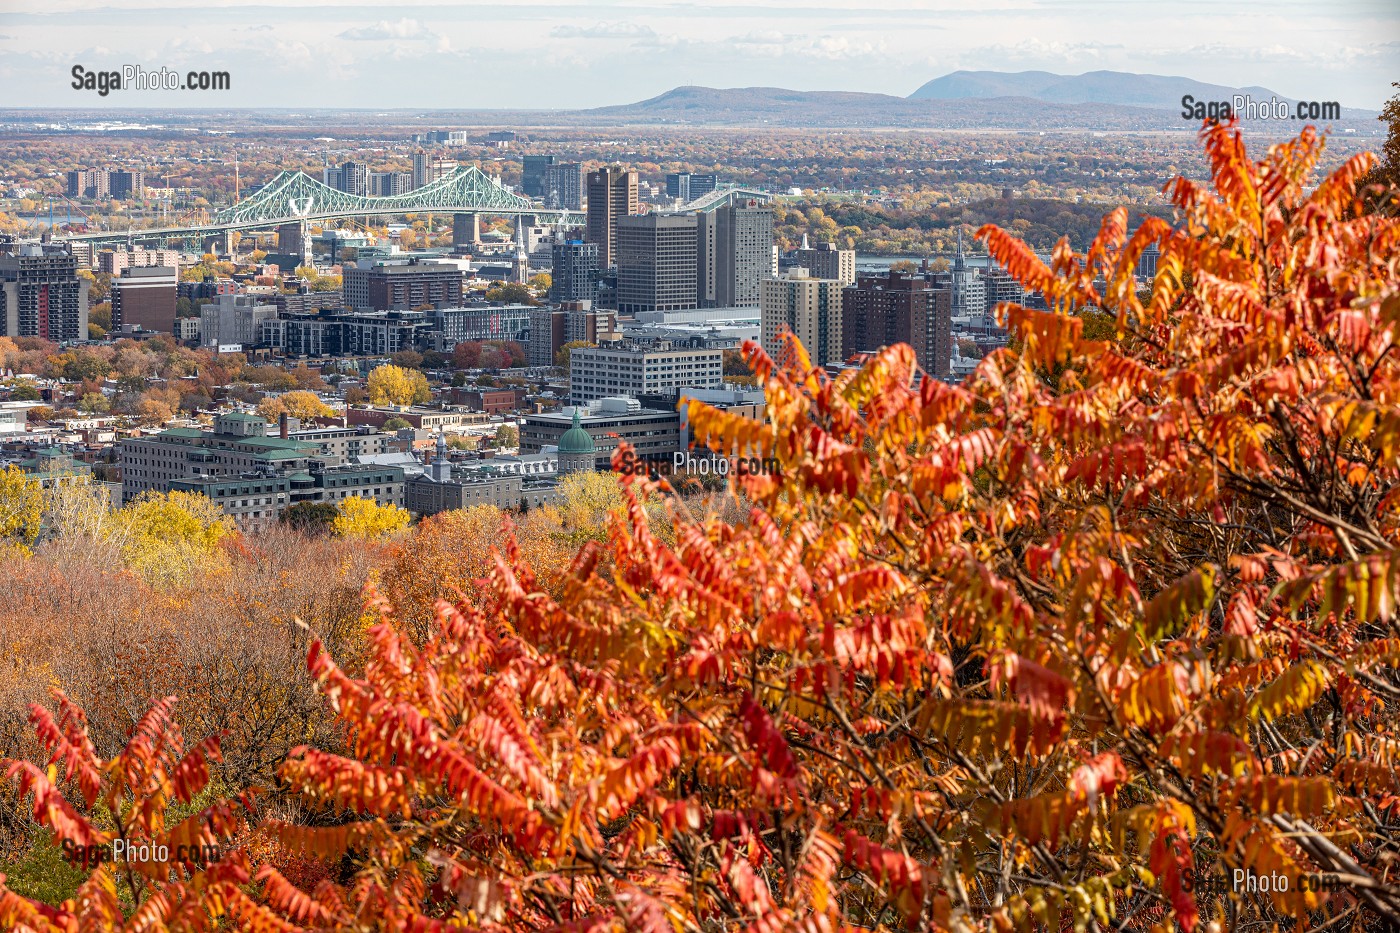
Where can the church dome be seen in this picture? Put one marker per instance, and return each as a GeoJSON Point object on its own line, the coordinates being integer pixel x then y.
{"type": "Point", "coordinates": [576, 440]}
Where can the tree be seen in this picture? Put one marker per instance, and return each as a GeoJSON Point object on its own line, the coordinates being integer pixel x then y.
{"type": "Point", "coordinates": [169, 536]}
{"type": "Point", "coordinates": [311, 517]}
{"type": "Point", "coordinates": [21, 509]}
{"type": "Point", "coordinates": [150, 800]}
{"type": "Point", "coordinates": [507, 435]}
{"type": "Point", "coordinates": [299, 404]}
{"type": "Point", "coordinates": [561, 359]}
{"type": "Point", "coordinates": [903, 265]}
{"type": "Point", "coordinates": [1062, 647]}
{"type": "Point", "coordinates": [94, 403]}
{"type": "Point", "coordinates": [39, 413]}
{"type": "Point", "coordinates": [541, 281]}
{"type": "Point", "coordinates": [395, 424]}
{"type": "Point", "coordinates": [153, 412]}
{"type": "Point", "coordinates": [1387, 173]}
{"type": "Point", "coordinates": [393, 385]}
{"type": "Point", "coordinates": [366, 519]}
{"type": "Point", "coordinates": [408, 359]}
{"type": "Point", "coordinates": [354, 395]}
{"type": "Point", "coordinates": [466, 355]}
{"type": "Point", "coordinates": [512, 293]}
{"type": "Point", "coordinates": [24, 392]}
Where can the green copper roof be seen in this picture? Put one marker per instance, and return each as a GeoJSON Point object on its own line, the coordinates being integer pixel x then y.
{"type": "Point", "coordinates": [576, 440]}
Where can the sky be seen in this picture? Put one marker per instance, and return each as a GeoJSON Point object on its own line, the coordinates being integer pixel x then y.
{"type": "Point", "coordinates": [548, 54]}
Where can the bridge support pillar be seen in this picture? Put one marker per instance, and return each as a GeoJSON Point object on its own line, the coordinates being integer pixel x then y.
{"type": "Point", "coordinates": [466, 230]}
{"type": "Point", "coordinates": [218, 243]}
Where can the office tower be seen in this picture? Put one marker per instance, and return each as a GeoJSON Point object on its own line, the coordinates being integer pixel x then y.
{"type": "Point", "coordinates": [403, 286]}
{"type": "Point", "coordinates": [127, 186]}
{"type": "Point", "coordinates": [145, 297]}
{"type": "Point", "coordinates": [532, 175]}
{"type": "Point", "coordinates": [636, 371]}
{"type": "Point", "coordinates": [827, 262]}
{"type": "Point", "coordinates": [41, 294]}
{"type": "Point", "coordinates": [612, 193]}
{"type": "Point", "coordinates": [561, 186]}
{"type": "Point", "coordinates": [812, 309]}
{"type": "Point", "coordinates": [1000, 286]}
{"type": "Point", "coordinates": [688, 187]}
{"type": "Point", "coordinates": [706, 231]}
{"type": "Point", "coordinates": [574, 272]}
{"type": "Point", "coordinates": [1147, 261]}
{"type": "Point", "coordinates": [743, 253]}
{"type": "Point", "coordinates": [656, 262]}
{"type": "Point", "coordinates": [900, 307]}
{"type": "Point", "coordinates": [236, 320]}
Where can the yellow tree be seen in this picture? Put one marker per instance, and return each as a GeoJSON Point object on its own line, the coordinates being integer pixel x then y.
{"type": "Point", "coordinates": [299, 404]}
{"type": "Point", "coordinates": [21, 509]}
{"type": "Point", "coordinates": [168, 536]}
{"type": "Point", "coordinates": [365, 518]}
{"type": "Point", "coordinates": [394, 385]}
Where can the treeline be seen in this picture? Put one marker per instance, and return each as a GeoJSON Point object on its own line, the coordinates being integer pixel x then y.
{"type": "Point", "coordinates": [916, 228]}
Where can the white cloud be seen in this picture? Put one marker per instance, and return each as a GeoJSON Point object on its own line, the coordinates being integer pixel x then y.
{"type": "Point", "coordinates": [603, 31]}
{"type": "Point", "coordinates": [384, 29]}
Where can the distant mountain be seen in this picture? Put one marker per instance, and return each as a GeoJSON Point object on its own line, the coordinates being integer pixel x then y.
{"type": "Point", "coordinates": [756, 106]}
{"type": "Point", "coordinates": [1095, 87]}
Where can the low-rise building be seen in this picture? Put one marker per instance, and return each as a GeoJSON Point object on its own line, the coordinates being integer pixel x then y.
{"type": "Point", "coordinates": [654, 434]}
{"type": "Point", "coordinates": [637, 370]}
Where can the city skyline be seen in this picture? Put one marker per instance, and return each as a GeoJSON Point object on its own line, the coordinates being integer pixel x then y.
{"type": "Point", "coordinates": [547, 55]}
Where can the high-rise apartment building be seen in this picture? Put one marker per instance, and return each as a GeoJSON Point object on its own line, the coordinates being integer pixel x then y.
{"type": "Point", "coordinates": [999, 286]}
{"type": "Point", "coordinates": [656, 263]}
{"type": "Point", "coordinates": [144, 296]}
{"type": "Point", "coordinates": [900, 307]}
{"type": "Point", "coordinates": [388, 184]}
{"type": "Point", "coordinates": [402, 286]}
{"type": "Point", "coordinates": [612, 194]}
{"type": "Point", "coordinates": [350, 177]}
{"type": "Point", "coordinates": [825, 261]}
{"type": "Point", "coordinates": [547, 329]}
{"type": "Point", "coordinates": [562, 186]}
{"type": "Point", "coordinates": [743, 253]}
{"type": "Point", "coordinates": [688, 187]}
{"type": "Point", "coordinates": [812, 309]}
{"type": "Point", "coordinates": [127, 186]}
{"type": "Point", "coordinates": [422, 168]}
{"type": "Point", "coordinates": [586, 324]}
{"type": "Point", "coordinates": [41, 294]}
{"type": "Point", "coordinates": [532, 174]}
{"type": "Point", "coordinates": [574, 271]}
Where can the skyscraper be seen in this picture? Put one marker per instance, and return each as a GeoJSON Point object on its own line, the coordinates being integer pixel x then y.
{"type": "Point", "coordinates": [656, 263]}
{"type": "Point", "coordinates": [612, 193]}
{"type": "Point", "coordinates": [422, 168]}
{"type": "Point", "coordinates": [743, 253]}
{"type": "Point", "coordinates": [41, 294]}
{"type": "Point", "coordinates": [688, 187]}
{"type": "Point", "coordinates": [532, 175]}
{"type": "Point", "coordinates": [574, 272]}
{"type": "Point", "coordinates": [811, 308]}
{"type": "Point", "coordinates": [145, 298]}
{"type": "Point", "coordinates": [562, 186]}
{"type": "Point", "coordinates": [900, 307]}
{"type": "Point", "coordinates": [827, 262]}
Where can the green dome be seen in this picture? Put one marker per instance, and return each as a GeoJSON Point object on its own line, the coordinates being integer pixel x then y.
{"type": "Point", "coordinates": [576, 440]}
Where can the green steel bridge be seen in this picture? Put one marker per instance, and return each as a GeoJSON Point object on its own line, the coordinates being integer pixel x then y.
{"type": "Point", "coordinates": [293, 197]}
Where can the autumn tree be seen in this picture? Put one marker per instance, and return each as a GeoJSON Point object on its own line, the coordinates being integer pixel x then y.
{"type": "Point", "coordinates": [1068, 645]}
{"type": "Point", "coordinates": [21, 509]}
{"type": "Point", "coordinates": [393, 385]}
{"type": "Point", "coordinates": [299, 403]}
{"type": "Point", "coordinates": [363, 518]}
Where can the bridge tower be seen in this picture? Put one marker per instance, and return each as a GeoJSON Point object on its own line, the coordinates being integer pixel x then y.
{"type": "Point", "coordinates": [466, 230]}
